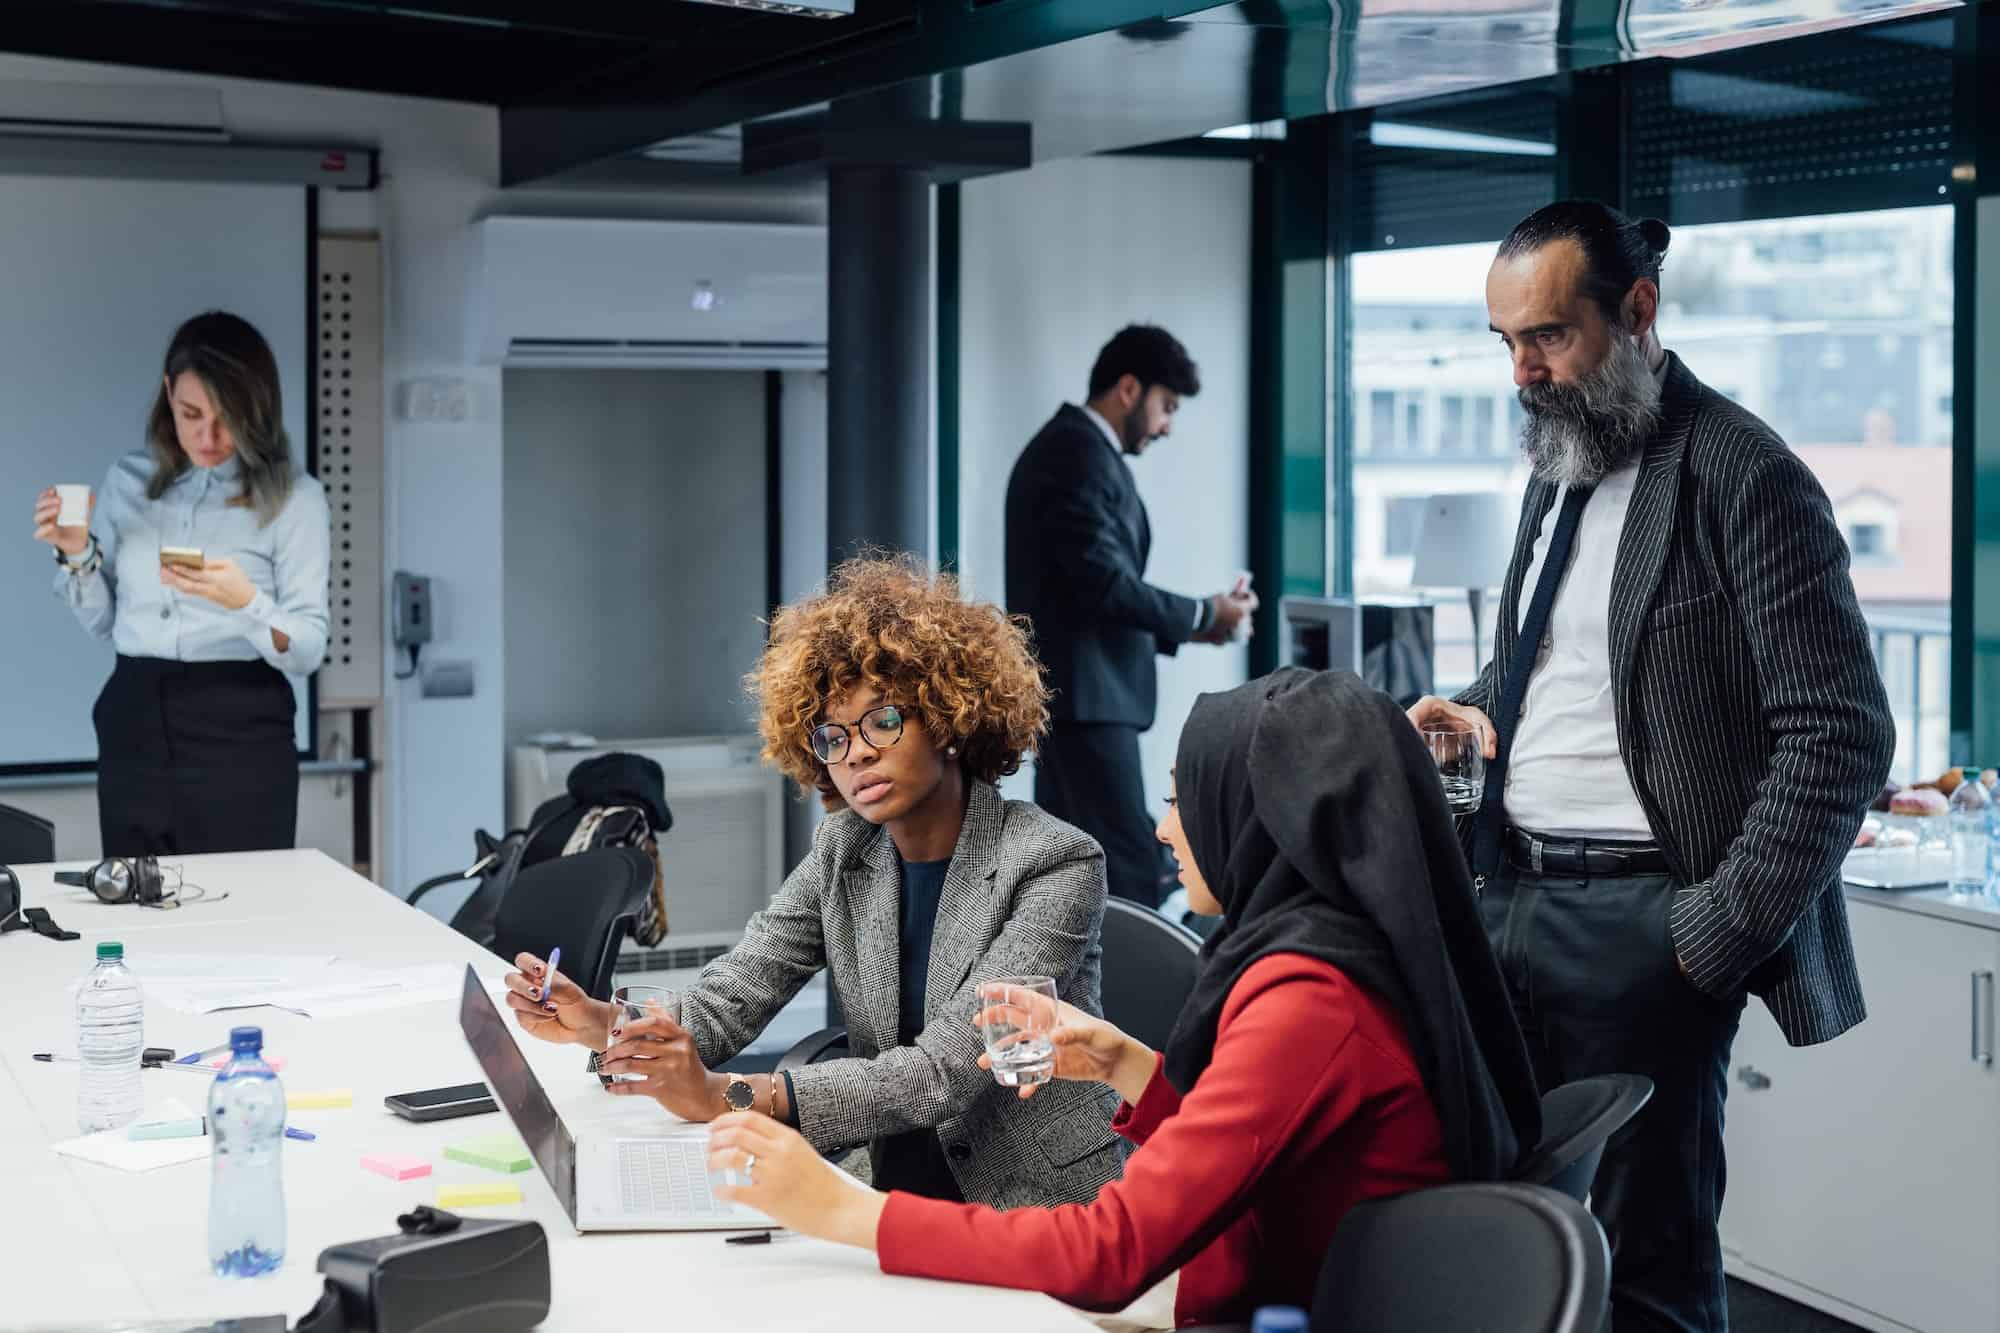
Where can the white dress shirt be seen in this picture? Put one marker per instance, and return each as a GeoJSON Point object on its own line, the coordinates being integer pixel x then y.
{"type": "Point", "coordinates": [1565, 776]}
{"type": "Point", "coordinates": [286, 561]}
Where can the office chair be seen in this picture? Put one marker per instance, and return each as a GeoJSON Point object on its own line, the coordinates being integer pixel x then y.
{"type": "Point", "coordinates": [1149, 968]}
{"type": "Point", "coordinates": [585, 903]}
{"type": "Point", "coordinates": [1460, 1258]}
{"type": "Point", "coordinates": [24, 838]}
{"type": "Point", "coordinates": [1578, 1119]}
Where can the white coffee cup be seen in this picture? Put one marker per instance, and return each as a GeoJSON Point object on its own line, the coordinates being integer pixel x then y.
{"type": "Point", "coordinates": [75, 511]}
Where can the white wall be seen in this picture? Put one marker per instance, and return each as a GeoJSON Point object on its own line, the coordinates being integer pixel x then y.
{"type": "Point", "coordinates": [635, 550]}
{"type": "Point", "coordinates": [1054, 261]}
{"type": "Point", "coordinates": [443, 760]}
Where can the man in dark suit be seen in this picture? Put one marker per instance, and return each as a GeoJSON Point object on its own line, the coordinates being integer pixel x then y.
{"type": "Point", "coordinates": [1684, 725]}
{"type": "Point", "coordinates": [1077, 542]}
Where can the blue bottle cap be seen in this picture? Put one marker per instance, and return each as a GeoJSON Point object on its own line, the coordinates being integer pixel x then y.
{"type": "Point", "coordinates": [1279, 1319]}
{"type": "Point", "coordinates": [246, 1041]}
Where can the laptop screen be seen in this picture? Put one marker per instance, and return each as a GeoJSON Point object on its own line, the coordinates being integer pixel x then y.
{"type": "Point", "coordinates": [517, 1089]}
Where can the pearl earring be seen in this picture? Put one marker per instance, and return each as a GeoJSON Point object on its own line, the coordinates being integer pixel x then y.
{"type": "Point", "coordinates": [951, 749]}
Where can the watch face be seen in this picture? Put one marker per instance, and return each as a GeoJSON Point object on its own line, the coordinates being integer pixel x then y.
{"type": "Point", "coordinates": [739, 1095]}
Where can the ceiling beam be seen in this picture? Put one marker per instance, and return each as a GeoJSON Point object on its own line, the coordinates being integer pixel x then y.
{"type": "Point", "coordinates": [669, 92]}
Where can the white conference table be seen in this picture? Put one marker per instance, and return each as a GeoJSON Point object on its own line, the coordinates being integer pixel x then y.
{"type": "Point", "coordinates": [85, 1243]}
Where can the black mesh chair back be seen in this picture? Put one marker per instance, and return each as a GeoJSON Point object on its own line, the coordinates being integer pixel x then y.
{"type": "Point", "coordinates": [25, 839]}
{"type": "Point", "coordinates": [1490, 1258]}
{"type": "Point", "coordinates": [584, 903]}
{"type": "Point", "coordinates": [1578, 1119]}
{"type": "Point", "coordinates": [1149, 968]}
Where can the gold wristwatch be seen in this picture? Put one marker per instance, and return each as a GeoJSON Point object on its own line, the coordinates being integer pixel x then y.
{"type": "Point", "coordinates": [737, 1094]}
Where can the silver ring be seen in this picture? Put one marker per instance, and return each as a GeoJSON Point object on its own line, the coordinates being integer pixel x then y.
{"type": "Point", "coordinates": [749, 1165]}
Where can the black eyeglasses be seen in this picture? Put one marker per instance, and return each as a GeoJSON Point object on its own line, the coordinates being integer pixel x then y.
{"type": "Point", "coordinates": [881, 726]}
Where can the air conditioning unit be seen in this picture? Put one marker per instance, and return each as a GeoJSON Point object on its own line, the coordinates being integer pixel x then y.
{"type": "Point", "coordinates": [615, 292]}
{"type": "Point", "coordinates": [723, 859]}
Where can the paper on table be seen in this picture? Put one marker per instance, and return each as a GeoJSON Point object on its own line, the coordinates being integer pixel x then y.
{"type": "Point", "coordinates": [221, 966]}
{"type": "Point", "coordinates": [111, 1148]}
{"type": "Point", "coordinates": [337, 991]}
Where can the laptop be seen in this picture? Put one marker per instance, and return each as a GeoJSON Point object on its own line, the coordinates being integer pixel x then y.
{"type": "Point", "coordinates": [605, 1181]}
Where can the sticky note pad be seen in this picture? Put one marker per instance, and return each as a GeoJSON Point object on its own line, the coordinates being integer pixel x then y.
{"type": "Point", "coordinates": [276, 1062]}
{"type": "Point", "coordinates": [327, 1099]}
{"type": "Point", "coordinates": [472, 1196]}
{"type": "Point", "coordinates": [396, 1165]}
{"type": "Point", "coordinates": [502, 1152]}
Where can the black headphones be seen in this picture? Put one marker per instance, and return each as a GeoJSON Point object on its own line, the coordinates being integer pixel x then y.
{"type": "Point", "coordinates": [120, 879]}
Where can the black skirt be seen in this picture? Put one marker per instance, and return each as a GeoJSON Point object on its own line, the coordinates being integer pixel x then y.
{"type": "Point", "coordinates": [196, 757]}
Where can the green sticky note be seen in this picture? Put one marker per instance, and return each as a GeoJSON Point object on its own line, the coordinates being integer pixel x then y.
{"type": "Point", "coordinates": [501, 1152]}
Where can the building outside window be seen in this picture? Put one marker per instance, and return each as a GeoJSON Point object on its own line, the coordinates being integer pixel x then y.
{"type": "Point", "coordinates": [1836, 330]}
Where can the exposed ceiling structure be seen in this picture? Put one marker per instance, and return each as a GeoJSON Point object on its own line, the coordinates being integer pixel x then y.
{"type": "Point", "coordinates": [734, 86]}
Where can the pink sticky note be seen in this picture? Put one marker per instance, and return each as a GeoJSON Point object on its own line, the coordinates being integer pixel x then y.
{"type": "Point", "coordinates": [396, 1165]}
{"type": "Point", "coordinates": [275, 1061]}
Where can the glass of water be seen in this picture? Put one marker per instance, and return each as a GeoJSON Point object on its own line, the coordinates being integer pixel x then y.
{"type": "Point", "coordinates": [632, 1003]}
{"type": "Point", "coordinates": [1016, 1017]}
{"type": "Point", "coordinates": [1460, 752]}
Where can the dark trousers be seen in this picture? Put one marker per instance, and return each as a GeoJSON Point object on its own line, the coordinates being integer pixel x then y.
{"type": "Point", "coordinates": [1088, 774]}
{"type": "Point", "coordinates": [195, 757]}
{"type": "Point", "coordinates": [1590, 965]}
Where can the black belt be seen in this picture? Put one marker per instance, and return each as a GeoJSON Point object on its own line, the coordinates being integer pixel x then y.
{"type": "Point", "coordinates": [1549, 856]}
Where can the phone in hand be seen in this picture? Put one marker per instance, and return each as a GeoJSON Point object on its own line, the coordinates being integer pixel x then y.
{"type": "Point", "coordinates": [186, 557]}
{"type": "Point", "coordinates": [442, 1103]}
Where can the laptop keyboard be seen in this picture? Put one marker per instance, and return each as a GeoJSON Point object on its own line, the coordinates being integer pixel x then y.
{"type": "Point", "coordinates": [666, 1176]}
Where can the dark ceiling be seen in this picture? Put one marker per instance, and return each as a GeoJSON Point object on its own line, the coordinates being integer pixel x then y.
{"type": "Point", "coordinates": [502, 52]}
{"type": "Point", "coordinates": [582, 82]}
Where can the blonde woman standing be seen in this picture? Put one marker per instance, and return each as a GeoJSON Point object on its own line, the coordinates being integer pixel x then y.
{"type": "Point", "coordinates": [195, 743]}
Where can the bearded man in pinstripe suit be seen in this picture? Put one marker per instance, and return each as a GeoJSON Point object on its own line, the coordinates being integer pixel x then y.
{"type": "Point", "coordinates": [1684, 725]}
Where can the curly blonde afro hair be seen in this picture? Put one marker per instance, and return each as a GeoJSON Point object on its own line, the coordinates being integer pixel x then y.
{"type": "Point", "coordinates": [965, 669]}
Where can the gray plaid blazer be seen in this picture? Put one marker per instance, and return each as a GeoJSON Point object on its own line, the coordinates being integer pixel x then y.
{"type": "Point", "coordinates": [1024, 896]}
{"type": "Point", "coordinates": [1751, 716]}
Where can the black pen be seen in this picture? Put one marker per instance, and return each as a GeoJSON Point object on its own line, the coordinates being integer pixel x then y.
{"type": "Point", "coordinates": [751, 1238]}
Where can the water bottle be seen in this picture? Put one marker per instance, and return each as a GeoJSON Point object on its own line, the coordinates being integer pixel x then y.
{"type": "Point", "coordinates": [110, 1035]}
{"type": "Point", "coordinates": [1971, 837]}
{"type": "Point", "coordinates": [1279, 1319]}
{"type": "Point", "coordinates": [246, 1190]}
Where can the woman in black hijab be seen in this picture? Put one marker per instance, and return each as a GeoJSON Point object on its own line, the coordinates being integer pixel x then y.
{"type": "Point", "coordinates": [1348, 1038]}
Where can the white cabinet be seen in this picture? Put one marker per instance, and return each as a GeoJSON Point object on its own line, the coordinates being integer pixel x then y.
{"type": "Point", "coordinates": [1864, 1174]}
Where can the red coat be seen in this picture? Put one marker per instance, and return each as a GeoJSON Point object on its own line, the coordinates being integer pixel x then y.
{"type": "Point", "coordinates": [1311, 1104]}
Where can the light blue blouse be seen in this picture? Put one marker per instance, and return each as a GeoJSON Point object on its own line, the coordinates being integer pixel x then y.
{"type": "Point", "coordinates": [286, 561]}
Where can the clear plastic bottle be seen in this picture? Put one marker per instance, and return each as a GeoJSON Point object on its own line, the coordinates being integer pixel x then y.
{"type": "Point", "coordinates": [246, 1193]}
{"type": "Point", "coordinates": [1971, 812]}
{"type": "Point", "coordinates": [110, 1037]}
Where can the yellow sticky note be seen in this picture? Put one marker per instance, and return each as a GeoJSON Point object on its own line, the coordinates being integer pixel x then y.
{"type": "Point", "coordinates": [324, 1100]}
{"type": "Point", "coordinates": [472, 1196]}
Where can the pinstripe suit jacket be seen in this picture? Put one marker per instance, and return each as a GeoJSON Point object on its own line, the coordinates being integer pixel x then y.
{"type": "Point", "coordinates": [1024, 896]}
{"type": "Point", "coordinates": [1751, 716]}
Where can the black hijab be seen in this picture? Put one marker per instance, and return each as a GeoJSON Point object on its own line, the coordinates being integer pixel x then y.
{"type": "Point", "coordinates": [1316, 816]}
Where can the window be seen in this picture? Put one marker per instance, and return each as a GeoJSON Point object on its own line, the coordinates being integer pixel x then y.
{"type": "Point", "coordinates": [1402, 516]}
{"type": "Point", "coordinates": [1837, 331]}
{"type": "Point", "coordinates": [1424, 316]}
{"type": "Point", "coordinates": [1452, 438]}
{"type": "Point", "coordinates": [1382, 422]}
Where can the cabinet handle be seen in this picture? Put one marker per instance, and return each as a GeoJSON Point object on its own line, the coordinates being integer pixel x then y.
{"type": "Point", "coordinates": [1750, 1078]}
{"type": "Point", "coordinates": [1982, 1019]}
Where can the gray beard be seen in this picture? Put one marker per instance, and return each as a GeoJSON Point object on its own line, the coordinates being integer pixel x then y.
{"type": "Point", "coordinates": [1578, 434]}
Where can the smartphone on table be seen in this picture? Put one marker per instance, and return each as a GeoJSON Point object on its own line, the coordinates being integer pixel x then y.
{"type": "Point", "coordinates": [442, 1103]}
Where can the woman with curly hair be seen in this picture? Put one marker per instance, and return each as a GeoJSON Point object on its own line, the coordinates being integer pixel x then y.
{"type": "Point", "coordinates": [902, 704]}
